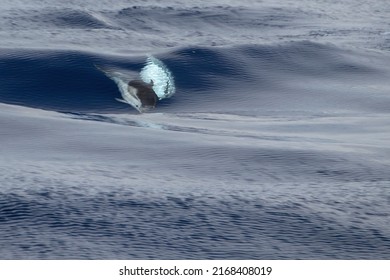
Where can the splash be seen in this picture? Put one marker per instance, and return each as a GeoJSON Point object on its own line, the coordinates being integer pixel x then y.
{"type": "Point", "coordinates": [163, 81]}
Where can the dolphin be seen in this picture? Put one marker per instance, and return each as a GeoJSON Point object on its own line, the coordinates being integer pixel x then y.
{"type": "Point", "coordinates": [156, 83]}
{"type": "Point", "coordinates": [140, 95]}
{"type": "Point", "coordinates": [136, 93]}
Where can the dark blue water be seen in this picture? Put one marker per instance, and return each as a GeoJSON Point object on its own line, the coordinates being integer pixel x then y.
{"type": "Point", "coordinates": [275, 146]}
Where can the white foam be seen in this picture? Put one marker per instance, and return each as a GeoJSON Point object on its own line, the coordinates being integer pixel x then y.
{"type": "Point", "coordinates": [163, 82]}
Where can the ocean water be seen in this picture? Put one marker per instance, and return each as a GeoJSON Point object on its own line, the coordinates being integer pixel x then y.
{"type": "Point", "coordinates": [275, 145]}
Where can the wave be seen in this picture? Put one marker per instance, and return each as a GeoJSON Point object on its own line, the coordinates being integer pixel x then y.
{"type": "Point", "coordinates": [298, 76]}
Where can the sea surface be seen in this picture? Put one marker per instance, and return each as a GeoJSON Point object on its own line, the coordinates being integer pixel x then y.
{"type": "Point", "coordinates": [276, 144]}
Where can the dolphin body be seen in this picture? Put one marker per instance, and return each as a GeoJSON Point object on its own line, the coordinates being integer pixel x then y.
{"type": "Point", "coordinates": [143, 93]}
{"type": "Point", "coordinates": [136, 93]}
